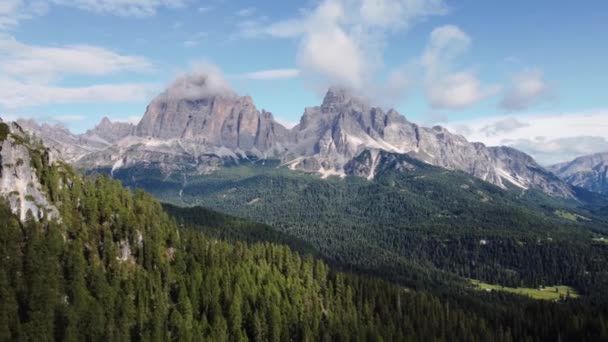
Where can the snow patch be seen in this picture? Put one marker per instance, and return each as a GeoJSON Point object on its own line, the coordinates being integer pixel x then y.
{"type": "Point", "coordinates": [293, 164]}
{"type": "Point", "coordinates": [374, 154]}
{"type": "Point", "coordinates": [521, 183]}
{"type": "Point", "coordinates": [329, 172]}
{"type": "Point", "coordinates": [117, 165]}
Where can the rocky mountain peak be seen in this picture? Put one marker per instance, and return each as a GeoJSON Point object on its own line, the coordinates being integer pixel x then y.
{"type": "Point", "coordinates": [109, 131]}
{"type": "Point", "coordinates": [197, 86]}
{"type": "Point", "coordinates": [589, 172]}
{"type": "Point", "coordinates": [203, 108]}
{"type": "Point", "coordinates": [105, 123]}
{"type": "Point", "coordinates": [338, 99]}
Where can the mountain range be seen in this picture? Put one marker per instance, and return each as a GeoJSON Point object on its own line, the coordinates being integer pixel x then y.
{"type": "Point", "coordinates": [193, 129]}
{"type": "Point", "coordinates": [589, 172]}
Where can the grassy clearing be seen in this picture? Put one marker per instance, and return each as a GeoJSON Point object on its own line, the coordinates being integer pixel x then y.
{"type": "Point", "coordinates": [547, 293]}
{"type": "Point", "coordinates": [570, 216]}
{"type": "Point", "coordinates": [601, 240]}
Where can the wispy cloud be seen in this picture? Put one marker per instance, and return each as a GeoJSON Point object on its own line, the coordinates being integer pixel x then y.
{"type": "Point", "coordinates": [333, 29]}
{"type": "Point", "coordinates": [12, 12]}
{"type": "Point", "coordinates": [553, 151]}
{"type": "Point", "coordinates": [204, 9]}
{"type": "Point", "coordinates": [195, 39]}
{"type": "Point", "coordinates": [134, 8]}
{"type": "Point", "coordinates": [69, 117]}
{"type": "Point", "coordinates": [45, 62]}
{"type": "Point", "coordinates": [246, 12]}
{"type": "Point", "coordinates": [32, 75]}
{"type": "Point", "coordinates": [15, 94]}
{"type": "Point", "coordinates": [132, 119]}
{"type": "Point", "coordinates": [503, 126]}
{"type": "Point", "coordinates": [272, 74]}
{"type": "Point", "coordinates": [447, 89]}
{"type": "Point", "coordinates": [548, 137]}
{"type": "Point", "coordinates": [527, 88]}
{"type": "Point", "coordinates": [204, 79]}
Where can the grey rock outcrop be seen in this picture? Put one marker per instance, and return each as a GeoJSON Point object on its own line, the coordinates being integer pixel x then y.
{"type": "Point", "coordinates": [19, 183]}
{"type": "Point", "coordinates": [213, 118]}
{"type": "Point", "coordinates": [57, 137]}
{"type": "Point", "coordinates": [589, 172]}
{"type": "Point", "coordinates": [109, 132]}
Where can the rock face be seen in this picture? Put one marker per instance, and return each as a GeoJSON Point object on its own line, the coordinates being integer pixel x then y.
{"type": "Point", "coordinates": [589, 172]}
{"type": "Point", "coordinates": [195, 127]}
{"type": "Point", "coordinates": [71, 147]}
{"type": "Point", "coordinates": [18, 181]}
{"type": "Point", "coordinates": [214, 119]}
{"type": "Point", "coordinates": [328, 137]}
{"type": "Point", "coordinates": [370, 162]}
{"type": "Point", "coordinates": [517, 167]}
{"type": "Point", "coordinates": [109, 132]}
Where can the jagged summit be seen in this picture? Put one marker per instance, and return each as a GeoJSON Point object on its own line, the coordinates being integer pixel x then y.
{"type": "Point", "coordinates": [105, 121]}
{"type": "Point", "coordinates": [589, 172]}
{"type": "Point", "coordinates": [109, 131]}
{"type": "Point", "coordinates": [204, 109]}
{"type": "Point", "coordinates": [337, 97]}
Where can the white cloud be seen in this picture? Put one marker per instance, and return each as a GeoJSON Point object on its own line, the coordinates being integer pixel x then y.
{"type": "Point", "coordinates": [195, 39]}
{"type": "Point", "coordinates": [445, 88]}
{"type": "Point", "coordinates": [285, 123]}
{"type": "Point", "coordinates": [204, 80]}
{"type": "Point", "coordinates": [15, 94]}
{"type": "Point", "coordinates": [14, 11]}
{"type": "Point", "coordinates": [457, 90]}
{"type": "Point", "coordinates": [132, 119]}
{"type": "Point", "coordinates": [32, 74]}
{"type": "Point", "coordinates": [46, 63]}
{"type": "Point", "coordinates": [332, 54]}
{"type": "Point", "coordinates": [398, 82]}
{"type": "Point", "coordinates": [553, 151]}
{"type": "Point", "coordinates": [507, 125]}
{"type": "Point", "coordinates": [69, 117]}
{"type": "Point", "coordinates": [549, 138]}
{"type": "Point", "coordinates": [272, 74]}
{"type": "Point", "coordinates": [204, 9]}
{"type": "Point", "coordinates": [528, 88]}
{"type": "Point", "coordinates": [246, 12]}
{"type": "Point", "coordinates": [328, 52]}
{"type": "Point", "coordinates": [445, 44]}
{"type": "Point", "coordinates": [134, 8]}
{"type": "Point", "coordinates": [342, 41]}
{"type": "Point", "coordinates": [398, 14]}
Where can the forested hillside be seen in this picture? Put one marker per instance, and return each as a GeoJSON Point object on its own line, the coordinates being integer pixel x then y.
{"type": "Point", "coordinates": [424, 219]}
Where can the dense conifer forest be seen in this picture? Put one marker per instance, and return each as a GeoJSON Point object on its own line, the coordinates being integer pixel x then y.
{"type": "Point", "coordinates": [430, 221]}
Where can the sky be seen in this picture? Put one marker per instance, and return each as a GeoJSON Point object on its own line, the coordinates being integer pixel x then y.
{"type": "Point", "coordinates": [530, 74]}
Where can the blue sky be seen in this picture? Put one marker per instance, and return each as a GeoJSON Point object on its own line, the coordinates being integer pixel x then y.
{"type": "Point", "coordinates": [491, 70]}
